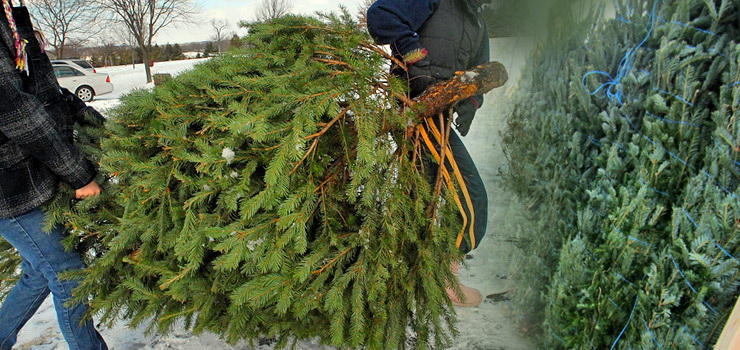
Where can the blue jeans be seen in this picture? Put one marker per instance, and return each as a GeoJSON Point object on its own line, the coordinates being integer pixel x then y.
{"type": "Point", "coordinates": [43, 259]}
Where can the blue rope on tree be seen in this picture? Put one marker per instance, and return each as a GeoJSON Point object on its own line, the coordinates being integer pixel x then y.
{"type": "Point", "coordinates": [624, 279]}
{"type": "Point", "coordinates": [725, 251]}
{"type": "Point", "coordinates": [690, 218]}
{"type": "Point", "coordinates": [628, 323]}
{"type": "Point", "coordinates": [715, 242]}
{"type": "Point", "coordinates": [691, 336]}
{"type": "Point", "coordinates": [688, 26]}
{"type": "Point", "coordinates": [615, 304]}
{"type": "Point", "coordinates": [682, 275]}
{"type": "Point", "coordinates": [655, 340]}
{"type": "Point", "coordinates": [675, 96]}
{"type": "Point", "coordinates": [612, 88]}
{"type": "Point", "coordinates": [672, 121]}
{"type": "Point", "coordinates": [710, 307]}
{"type": "Point", "coordinates": [633, 238]}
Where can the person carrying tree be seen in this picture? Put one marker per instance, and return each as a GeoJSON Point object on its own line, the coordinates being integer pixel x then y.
{"type": "Point", "coordinates": [36, 151]}
{"type": "Point", "coordinates": [434, 39]}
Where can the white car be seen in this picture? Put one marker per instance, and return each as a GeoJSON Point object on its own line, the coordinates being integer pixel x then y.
{"type": "Point", "coordinates": [77, 63]}
{"type": "Point", "coordinates": [86, 85]}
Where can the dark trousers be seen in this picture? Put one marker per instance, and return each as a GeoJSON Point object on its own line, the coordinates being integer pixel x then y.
{"type": "Point", "coordinates": [460, 171]}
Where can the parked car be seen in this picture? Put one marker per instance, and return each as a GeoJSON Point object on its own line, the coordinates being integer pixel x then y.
{"type": "Point", "coordinates": [86, 85]}
{"type": "Point", "coordinates": [77, 63]}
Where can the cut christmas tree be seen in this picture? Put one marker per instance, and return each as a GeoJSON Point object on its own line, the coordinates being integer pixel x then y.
{"type": "Point", "coordinates": [277, 191]}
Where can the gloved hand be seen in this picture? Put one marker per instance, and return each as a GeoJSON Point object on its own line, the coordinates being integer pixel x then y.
{"type": "Point", "coordinates": [89, 116]}
{"type": "Point", "coordinates": [83, 114]}
{"type": "Point", "coordinates": [465, 110]}
{"type": "Point", "coordinates": [420, 76]}
{"type": "Point", "coordinates": [73, 102]}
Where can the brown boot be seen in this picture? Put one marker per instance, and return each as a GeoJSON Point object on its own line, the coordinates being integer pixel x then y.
{"type": "Point", "coordinates": [471, 296]}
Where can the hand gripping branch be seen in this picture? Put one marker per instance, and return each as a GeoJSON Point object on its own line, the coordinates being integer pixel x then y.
{"type": "Point", "coordinates": [439, 97]}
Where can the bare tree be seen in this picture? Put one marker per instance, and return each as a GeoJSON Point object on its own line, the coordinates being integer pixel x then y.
{"type": "Point", "coordinates": [145, 18]}
{"type": "Point", "coordinates": [106, 50]}
{"type": "Point", "coordinates": [219, 26]}
{"type": "Point", "coordinates": [74, 47]}
{"type": "Point", "coordinates": [62, 20]}
{"type": "Point", "coordinates": [123, 35]}
{"type": "Point", "coordinates": [271, 9]}
{"type": "Point", "coordinates": [362, 10]}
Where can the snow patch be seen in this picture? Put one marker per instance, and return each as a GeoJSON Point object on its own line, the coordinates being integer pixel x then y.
{"type": "Point", "coordinates": [468, 77]}
{"type": "Point", "coordinates": [228, 154]}
{"type": "Point", "coordinates": [253, 244]}
{"type": "Point", "coordinates": [104, 106]}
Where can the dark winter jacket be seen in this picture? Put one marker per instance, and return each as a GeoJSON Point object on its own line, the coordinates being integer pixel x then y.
{"type": "Point", "coordinates": [451, 31]}
{"type": "Point", "coordinates": [36, 147]}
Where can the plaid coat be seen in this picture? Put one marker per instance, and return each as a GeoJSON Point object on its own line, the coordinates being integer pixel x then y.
{"type": "Point", "coordinates": [36, 149]}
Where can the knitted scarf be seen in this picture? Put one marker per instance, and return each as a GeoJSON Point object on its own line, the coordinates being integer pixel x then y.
{"type": "Point", "coordinates": [20, 45]}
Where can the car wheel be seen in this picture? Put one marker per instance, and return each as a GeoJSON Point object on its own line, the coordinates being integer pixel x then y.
{"type": "Point", "coordinates": [85, 93]}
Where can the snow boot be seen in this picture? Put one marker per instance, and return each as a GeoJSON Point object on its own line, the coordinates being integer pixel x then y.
{"type": "Point", "coordinates": [471, 296]}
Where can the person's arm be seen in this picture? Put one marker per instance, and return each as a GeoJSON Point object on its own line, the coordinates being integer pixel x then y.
{"type": "Point", "coordinates": [395, 22]}
{"type": "Point", "coordinates": [25, 122]}
{"type": "Point", "coordinates": [483, 56]}
{"type": "Point", "coordinates": [467, 108]}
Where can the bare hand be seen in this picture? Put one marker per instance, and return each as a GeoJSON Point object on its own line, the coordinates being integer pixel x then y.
{"type": "Point", "coordinates": [89, 190]}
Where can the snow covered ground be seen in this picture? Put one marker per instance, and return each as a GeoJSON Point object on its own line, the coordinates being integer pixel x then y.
{"type": "Point", "coordinates": [487, 327]}
{"type": "Point", "coordinates": [127, 78]}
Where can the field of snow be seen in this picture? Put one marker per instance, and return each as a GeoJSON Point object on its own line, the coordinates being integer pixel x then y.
{"type": "Point", "coordinates": [127, 78]}
{"type": "Point", "coordinates": [487, 327]}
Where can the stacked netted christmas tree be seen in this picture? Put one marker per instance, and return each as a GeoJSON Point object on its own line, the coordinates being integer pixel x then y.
{"type": "Point", "coordinates": [630, 156]}
{"type": "Point", "coordinates": [277, 192]}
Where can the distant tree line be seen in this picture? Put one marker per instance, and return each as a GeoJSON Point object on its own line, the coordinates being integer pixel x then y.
{"type": "Point", "coordinates": [114, 55]}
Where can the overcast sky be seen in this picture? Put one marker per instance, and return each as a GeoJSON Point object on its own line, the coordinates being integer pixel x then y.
{"type": "Point", "coordinates": [236, 10]}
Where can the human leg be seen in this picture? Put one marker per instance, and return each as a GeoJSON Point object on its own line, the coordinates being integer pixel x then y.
{"type": "Point", "coordinates": [22, 302]}
{"type": "Point", "coordinates": [45, 254]}
{"type": "Point", "coordinates": [468, 296]}
{"type": "Point", "coordinates": [472, 200]}
{"type": "Point", "coordinates": [471, 192]}
{"type": "Point", "coordinates": [477, 208]}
